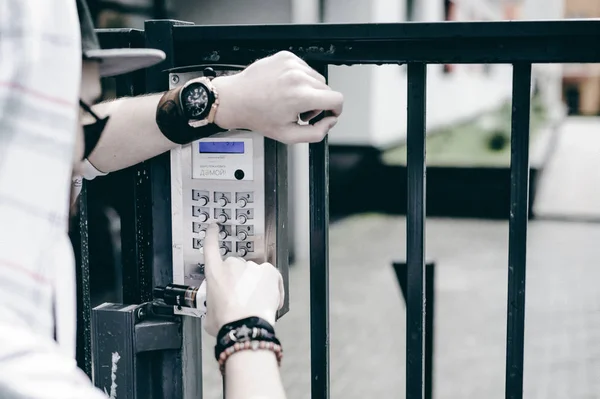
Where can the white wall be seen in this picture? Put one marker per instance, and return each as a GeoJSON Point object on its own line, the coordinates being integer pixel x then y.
{"type": "Point", "coordinates": [210, 12]}
{"type": "Point", "coordinates": [375, 96]}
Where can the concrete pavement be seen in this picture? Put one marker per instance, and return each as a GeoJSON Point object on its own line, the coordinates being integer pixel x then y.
{"type": "Point", "coordinates": [562, 358]}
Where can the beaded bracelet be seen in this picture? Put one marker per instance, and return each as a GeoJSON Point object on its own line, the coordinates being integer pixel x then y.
{"type": "Point", "coordinates": [253, 345]}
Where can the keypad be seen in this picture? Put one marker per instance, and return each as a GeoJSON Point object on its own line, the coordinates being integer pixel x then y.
{"type": "Point", "coordinates": [201, 196]}
{"type": "Point", "coordinates": [235, 214]}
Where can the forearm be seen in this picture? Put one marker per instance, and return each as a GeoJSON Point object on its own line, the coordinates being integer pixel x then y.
{"type": "Point", "coordinates": [253, 374]}
{"type": "Point", "coordinates": [131, 135]}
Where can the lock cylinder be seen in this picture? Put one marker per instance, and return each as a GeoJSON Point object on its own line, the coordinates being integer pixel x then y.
{"type": "Point", "coordinates": [177, 295]}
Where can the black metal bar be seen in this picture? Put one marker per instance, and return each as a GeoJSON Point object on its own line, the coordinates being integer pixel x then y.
{"type": "Point", "coordinates": [319, 265]}
{"type": "Point", "coordinates": [517, 245]}
{"type": "Point", "coordinates": [159, 36]}
{"type": "Point", "coordinates": [182, 383]}
{"type": "Point", "coordinates": [133, 185]}
{"type": "Point", "coordinates": [415, 232]}
{"type": "Point", "coordinates": [480, 42]}
{"type": "Point", "coordinates": [160, 9]}
{"type": "Point", "coordinates": [429, 328]}
{"type": "Point", "coordinates": [157, 218]}
{"type": "Point", "coordinates": [114, 350]}
{"type": "Point", "coordinates": [401, 275]}
{"type": "Point", "coordinates": [79, 237]}
{"type": "Point", "coordinates": [396, 31]}
{"type": "Point", "coordinates": [133, 196]}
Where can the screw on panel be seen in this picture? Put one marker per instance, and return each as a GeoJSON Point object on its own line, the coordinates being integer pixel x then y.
{"type": "Point", "coordinates": [175, 79]}
{"type": "Point", "coordinates": [141, 313]}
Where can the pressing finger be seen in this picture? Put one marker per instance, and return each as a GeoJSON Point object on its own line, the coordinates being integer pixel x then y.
{"type": "Point", "coordinates": [212, 256]}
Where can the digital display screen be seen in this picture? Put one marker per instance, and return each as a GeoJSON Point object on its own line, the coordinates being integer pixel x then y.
{"type": "Point", "coordinates": [221, 147]}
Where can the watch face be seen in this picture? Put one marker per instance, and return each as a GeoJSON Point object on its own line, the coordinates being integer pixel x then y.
{"type": "Point", "coordinates": [195, 100]}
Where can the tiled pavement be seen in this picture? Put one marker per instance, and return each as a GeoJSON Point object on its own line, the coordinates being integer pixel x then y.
{"type": "Point", "coordinates": [562, 358]}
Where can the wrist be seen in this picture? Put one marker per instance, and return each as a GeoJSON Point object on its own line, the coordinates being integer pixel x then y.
{"type": "Point", "coordinates": [233, 318]}
{"type": "Point", "coordinates": [242, 360]}
{"type": "Point", "coordinates": [227, 115]}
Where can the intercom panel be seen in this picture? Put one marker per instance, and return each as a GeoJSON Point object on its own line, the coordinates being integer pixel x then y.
{"type": "Point", "coordinates": [238, 179]}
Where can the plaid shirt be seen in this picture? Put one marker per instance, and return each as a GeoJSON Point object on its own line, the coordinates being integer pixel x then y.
{"type": "Point", "coordinates": [40, 70]}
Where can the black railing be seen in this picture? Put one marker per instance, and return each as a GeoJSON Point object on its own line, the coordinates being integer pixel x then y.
{"type": "Point", "coordinates": [415, 44]}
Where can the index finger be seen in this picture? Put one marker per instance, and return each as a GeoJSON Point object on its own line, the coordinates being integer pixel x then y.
{"type": "Point", "coordinates": [327, 100]}
{"type": "Point", "coordinates": [212, 256]}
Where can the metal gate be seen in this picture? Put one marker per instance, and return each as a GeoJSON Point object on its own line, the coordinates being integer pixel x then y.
{"type": "Point", "coordinates": [146, 217]}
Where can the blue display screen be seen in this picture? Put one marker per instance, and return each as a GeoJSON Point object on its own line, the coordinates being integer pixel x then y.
{"type": "Point", "coordinates": [221, 147]}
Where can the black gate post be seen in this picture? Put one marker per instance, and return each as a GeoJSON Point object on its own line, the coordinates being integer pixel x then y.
{"type": "Point", "coordinates": [517, 240]}
{"type": "Point", "coordinates": [78, 233]}
{"type": "Point", "coordinates": [401, 275]}
{"type": "Point", "coordinates": [415, 232]}
{"type": "Point", "coordinates": [319, 265]}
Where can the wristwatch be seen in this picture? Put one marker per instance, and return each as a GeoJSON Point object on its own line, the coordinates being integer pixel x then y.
{"type": "Point", "coordinates": [199, 100]}
{"type": "Point", "coordinates": [187, 113]}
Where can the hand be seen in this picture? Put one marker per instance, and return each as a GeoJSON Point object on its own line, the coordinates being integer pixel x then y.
{"type": "Point", "coordinates": [237, 289]}
{"type": "Point", "coordinates": [270, 94]}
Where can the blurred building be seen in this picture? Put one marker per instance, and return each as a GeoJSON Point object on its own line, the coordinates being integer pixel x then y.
{"type": "Point", "coordinates": [581, 83]}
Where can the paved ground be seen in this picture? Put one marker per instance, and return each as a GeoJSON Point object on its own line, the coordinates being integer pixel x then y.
{"type": "Point", "coordinates": [368, 317]}
{"type": "Point", "coordinates": [571, 182]}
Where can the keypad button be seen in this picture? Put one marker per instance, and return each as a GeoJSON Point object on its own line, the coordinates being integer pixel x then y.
{"type": "Point", "coordinates": [222, 198]}
{"type": "Point", "coordinates": [248, 196]}
{"type": "Point", "coordinates": [242, 202]}
{"type": "Point", "coordinates": [242, 248]}
{"type": "Point", "coordinates": [222, 202]}
{"type": "Point", "coordinates": [201, 213]}
{"type": "Point", "coordinates": [222, 215]}
{"type": "Point", "coordinates": [222, 218]}
{"type": "Point", "coordinates": [242, 219]}
{"type": "Point", "coordinates": [223, 234]}
{"type": "Point", "coordinates": [200, 196]}
{"type": "Point", "coordinates": [248, 213]}
{"type": "Point", "coordinates": [223, 251]}
{"type": "Point", "coordinates": [202, 234]}
{"type": "Point", "coordinates": [242, 235]}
